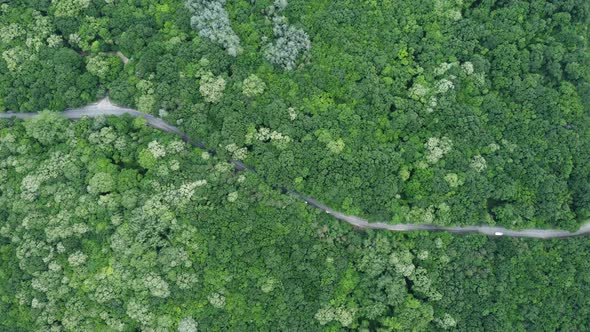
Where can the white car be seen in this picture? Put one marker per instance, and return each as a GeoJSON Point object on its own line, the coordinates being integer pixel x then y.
{"type": "Point", "coordinates": [498, 233]}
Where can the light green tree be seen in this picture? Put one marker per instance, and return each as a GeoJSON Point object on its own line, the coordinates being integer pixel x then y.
{"type": "Point", "coordinates": [101, 183]}
{"type": "Point", "coordinates": [69, 8]}
{"type": "Point", "coordinates": [212, 87]}
{"type": "Point", "coordinates": [253, 86]}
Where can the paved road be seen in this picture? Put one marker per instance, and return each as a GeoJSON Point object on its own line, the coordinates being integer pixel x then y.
{"type": "Point", "coordinates": [487, 230]}
{"type": "Point", "coordinates": [105, 107]}
{"type": "Point", "coordinates": [122, 57]}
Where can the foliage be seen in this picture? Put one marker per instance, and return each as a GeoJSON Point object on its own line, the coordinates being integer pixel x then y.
{"type": "Point", "coordinates": [289, 44]}
{"type": "Point", "coordinates": [106, 68]}
{"type": "Point", "coordinates": [443, 112]}
{"type": "Point", "coordinates": [211, 87]}
{"type": "Point", "coordinates": [107, 243]}
{"type": "Point", "coordinates": [253, 86]}
{"type": "Point", "coordinates": [69, 8]}
{"type": "Point", "coordinates": [211, 20]}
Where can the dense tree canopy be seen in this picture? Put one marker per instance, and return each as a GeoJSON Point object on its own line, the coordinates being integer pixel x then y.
{"type": "Point", "coordinates": [460, 112]}
{"type": "Point", "coordinates": [364, 90]}
{"type": "Point", "coordinates": [96, 238]}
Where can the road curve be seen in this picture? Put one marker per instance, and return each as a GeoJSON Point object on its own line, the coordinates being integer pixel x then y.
{"type": "Point", "coordinates": [105, 107]}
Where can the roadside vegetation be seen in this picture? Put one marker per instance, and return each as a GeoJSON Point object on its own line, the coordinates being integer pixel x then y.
{"type": "Point", "coordinates": [461, 112]}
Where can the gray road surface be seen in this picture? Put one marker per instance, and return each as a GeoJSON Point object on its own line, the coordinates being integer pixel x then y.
{"type": "Point", "coordinates": [105, 107]}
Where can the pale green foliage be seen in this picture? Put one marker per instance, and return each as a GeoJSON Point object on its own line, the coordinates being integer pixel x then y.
{"type": "Point", "coordinates": [443, 212]}
{"type": "Point", "coordinates": [444, 67]}
{"type": "Point", "coordinates": [292, 113]}
{"type": "Point", "coordinates": [212, 87]}
{"type": "Point", "coordinates": [217, 300]}
{"type": "Point", "coordinates": [158, 287]}
{"type": "Point", "coordinates": [211, 21]}
{"type": "Point", "coordinates": [156, 149]}
{"type": "Point", "coordinates": [448, 9]}
{"type": "Point", "coordinates": [341, 314]}
{"type": "Point", "coordinates": [447, 322]}
{"type": "Point", "coordinates": [163, 323]}
{"type": "Point", "coordinates": [423, 284]}
{"type": "Point", "coordinates": [281, 4]}
{"type": "Point", "coordinates": [418, 91]}
{"type": "Point", "coordinates": [50, 169]}
{"type": "Point", "coordinates": [177, 147]}
{"type": "Point", "coordinates": [290, 43]}
{"type": "Point", "coordinates": [404, 174]}
{"type": "Point", "coordinates": [253, 86]}
{"type": "Point", "coordinates": [38, 32]}
{"type": "Point", "coordinates": [402, 261]}
{"type": "Point", "coordinates": [444, 85]}
{"type": "Point", "coordinates": [325, 315]}
{"type": "Point", "coordinates": [146, 101]}
{"type": "Point", "coordinates": [438, 243]}
{"type": "Point", "coordinates": [468, 68]}
{"type": "Point", "coordinates": [232, 197]}
{"type": "Point", "coordinates": [478, 163]}
{"type": "Point", "coordinates": [237, 152]}
{"type": "Point", "coordinates": [428, 214]}
{"type": "Point", "coordinates": [180, 197]}
{"type": "Point", "coordinates": [69, 8]}
{"type": "Point", "coordinates": [344, 316]}
{"type": "Point", "coordinates": [269, 284]}
{"type": "Point", "coordinates": [336, 146]}
{"type": "Point", "coordinates": [54, 41]}
{"type": "Point", "coordinates": [433, 102]}
{"type": "Point", "coordinates": [101, 65]}
{"type": "Point", "coordinates": [437, 148]}
{"type": "Point", "coordinates": [265, 134]}
{"type": "Point", "coordinates": [105, 137]}
{"type": "Point", "coordinates": [101, 183]}
{"type": "Point", "coordinates": [453, 180]}
{"type": "Point", "coordinates": [423, 255]}
{"type": "Point", "coordinates": [185, 280]}
{"type": "Point", "coordinates": [493, 147]}
{"type": "Point", "coordinates": [104, 293]}
{"type": "Point", "coordinates": [139, 312]}
{"type": "Point", "coordinates": [172, 257]}
{"type": "Point", "coordinates": [16, 57]}
{"type": "Point", "coordinates": [30, 187]}
{"type": "Point", "coordinates": [112, 322]}
{"type": "Point", "coordinates": [10, 32]}
{"type": "Point", "coordinates": [279, 140]}
{"type": "Point", "coordinates": [77, 258]}
{"type": "Point", "coordinates": [146, 159]}
{"type": "Point", "coordinates": [74, 39]}
{"type": "Point", "coordinates": [187, 324]}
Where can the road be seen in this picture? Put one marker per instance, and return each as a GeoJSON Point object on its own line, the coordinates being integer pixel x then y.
{"type": "Point", "coordinates": [487, 230]}
{"type": "Point", "coordinates": [105, 107]}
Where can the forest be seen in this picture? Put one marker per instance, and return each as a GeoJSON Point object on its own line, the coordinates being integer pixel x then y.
{"type": "Point", "coordinates": [459, 112]}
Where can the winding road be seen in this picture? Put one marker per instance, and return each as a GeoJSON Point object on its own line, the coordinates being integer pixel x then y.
{"type": "Point", "coordinates": [105, 107]}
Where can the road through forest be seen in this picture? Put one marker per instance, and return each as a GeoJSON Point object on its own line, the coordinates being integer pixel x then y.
{"type": "Point", "coordinates": [105, 107]}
